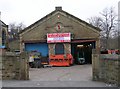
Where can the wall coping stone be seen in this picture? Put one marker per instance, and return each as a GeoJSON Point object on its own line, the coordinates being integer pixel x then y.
{"type": "Point", "coordinates": [109, 56]}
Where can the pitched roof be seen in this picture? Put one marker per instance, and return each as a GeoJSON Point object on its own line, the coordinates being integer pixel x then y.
{"type": "Point", "coordinates": [59, 9]}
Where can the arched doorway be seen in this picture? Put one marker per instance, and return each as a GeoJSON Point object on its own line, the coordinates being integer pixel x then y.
{"type": "Point", "coordinates": [59, 48]}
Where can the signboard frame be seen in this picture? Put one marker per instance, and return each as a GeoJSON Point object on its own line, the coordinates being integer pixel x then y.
{"type": "Point", "coordinates": [58, 37]}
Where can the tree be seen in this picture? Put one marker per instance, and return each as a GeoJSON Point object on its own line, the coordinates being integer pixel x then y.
{"type": "Point", "coordinates": [14, 30]}
{"type": "Point", "coordinates": [96, 21]}
{"type": "Point", "coordinates": [107, 23]}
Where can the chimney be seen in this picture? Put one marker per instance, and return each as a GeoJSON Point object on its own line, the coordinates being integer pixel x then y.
{"type": "Point", "coordinates": [58, 8]}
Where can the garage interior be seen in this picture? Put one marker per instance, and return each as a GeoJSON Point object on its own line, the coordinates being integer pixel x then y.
{"type": "Point", "coordinates": [82, 50]}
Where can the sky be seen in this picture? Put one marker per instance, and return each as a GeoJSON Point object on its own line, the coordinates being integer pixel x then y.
{"type": "Point", "coordinates": [29, 11]}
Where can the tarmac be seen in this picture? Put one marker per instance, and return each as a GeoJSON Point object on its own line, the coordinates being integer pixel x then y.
{"type": "Point", "coordinates": [74, 76]}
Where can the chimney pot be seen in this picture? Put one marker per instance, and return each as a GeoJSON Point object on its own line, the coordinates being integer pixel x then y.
{"type": "Point", "coordinates": [58, 8]}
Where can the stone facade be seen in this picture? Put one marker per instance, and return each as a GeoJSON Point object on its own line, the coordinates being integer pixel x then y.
{"type": "Point", "coordinates": [106, 68]}
{"type": "Point", "coordinates": [52, 47]}
{"type": "Point", "coordinates": [14, 45]}
{"type": "Point", "coordinates": [0, 32]}
{"type": "Point", "coordinates": [95, 65]}
{"type": "Point", "coordinates": [15, 66]}
{"type": "Point", "coordinates": [3, 28]}
{"type": "Point", "coordinates": [79, 29]}
{"type": "Point", "coordinates": [109, 69]}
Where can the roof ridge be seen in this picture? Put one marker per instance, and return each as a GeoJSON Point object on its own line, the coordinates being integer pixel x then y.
{"type": "Point", "coordinates": [60, 10]}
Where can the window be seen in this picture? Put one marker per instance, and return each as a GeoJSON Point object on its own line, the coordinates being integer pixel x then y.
{"type": "Point", "coordinates": [59, 48]}
{"type": "Point", "coordinates": [3, 38]}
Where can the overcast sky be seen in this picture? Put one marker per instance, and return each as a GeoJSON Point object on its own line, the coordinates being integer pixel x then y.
{"type": "Point", "coordinates": [29, 11]}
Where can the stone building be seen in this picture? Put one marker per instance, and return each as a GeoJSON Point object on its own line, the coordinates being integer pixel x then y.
{"type": "Point", "coordinates": [3, 35]}
{"type": "Point", "coordinates": [60, 33]}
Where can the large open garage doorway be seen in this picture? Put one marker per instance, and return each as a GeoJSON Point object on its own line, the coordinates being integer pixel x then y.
{"type": "Point", "coordinates": [82, 51]}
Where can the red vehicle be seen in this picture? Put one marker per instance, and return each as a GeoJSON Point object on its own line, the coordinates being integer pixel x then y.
{"type": "Point", "coordinates": [61, 60]}
{"type": "Point", "coordinates": [112, 51]}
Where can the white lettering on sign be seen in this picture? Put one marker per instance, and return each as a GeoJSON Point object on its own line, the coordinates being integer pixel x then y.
{"type": "Point", "coordinates": [58, 37]}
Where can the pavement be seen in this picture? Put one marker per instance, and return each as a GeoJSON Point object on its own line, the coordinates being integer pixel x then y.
{"type": "Point", "coordinates": [74, 76]}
